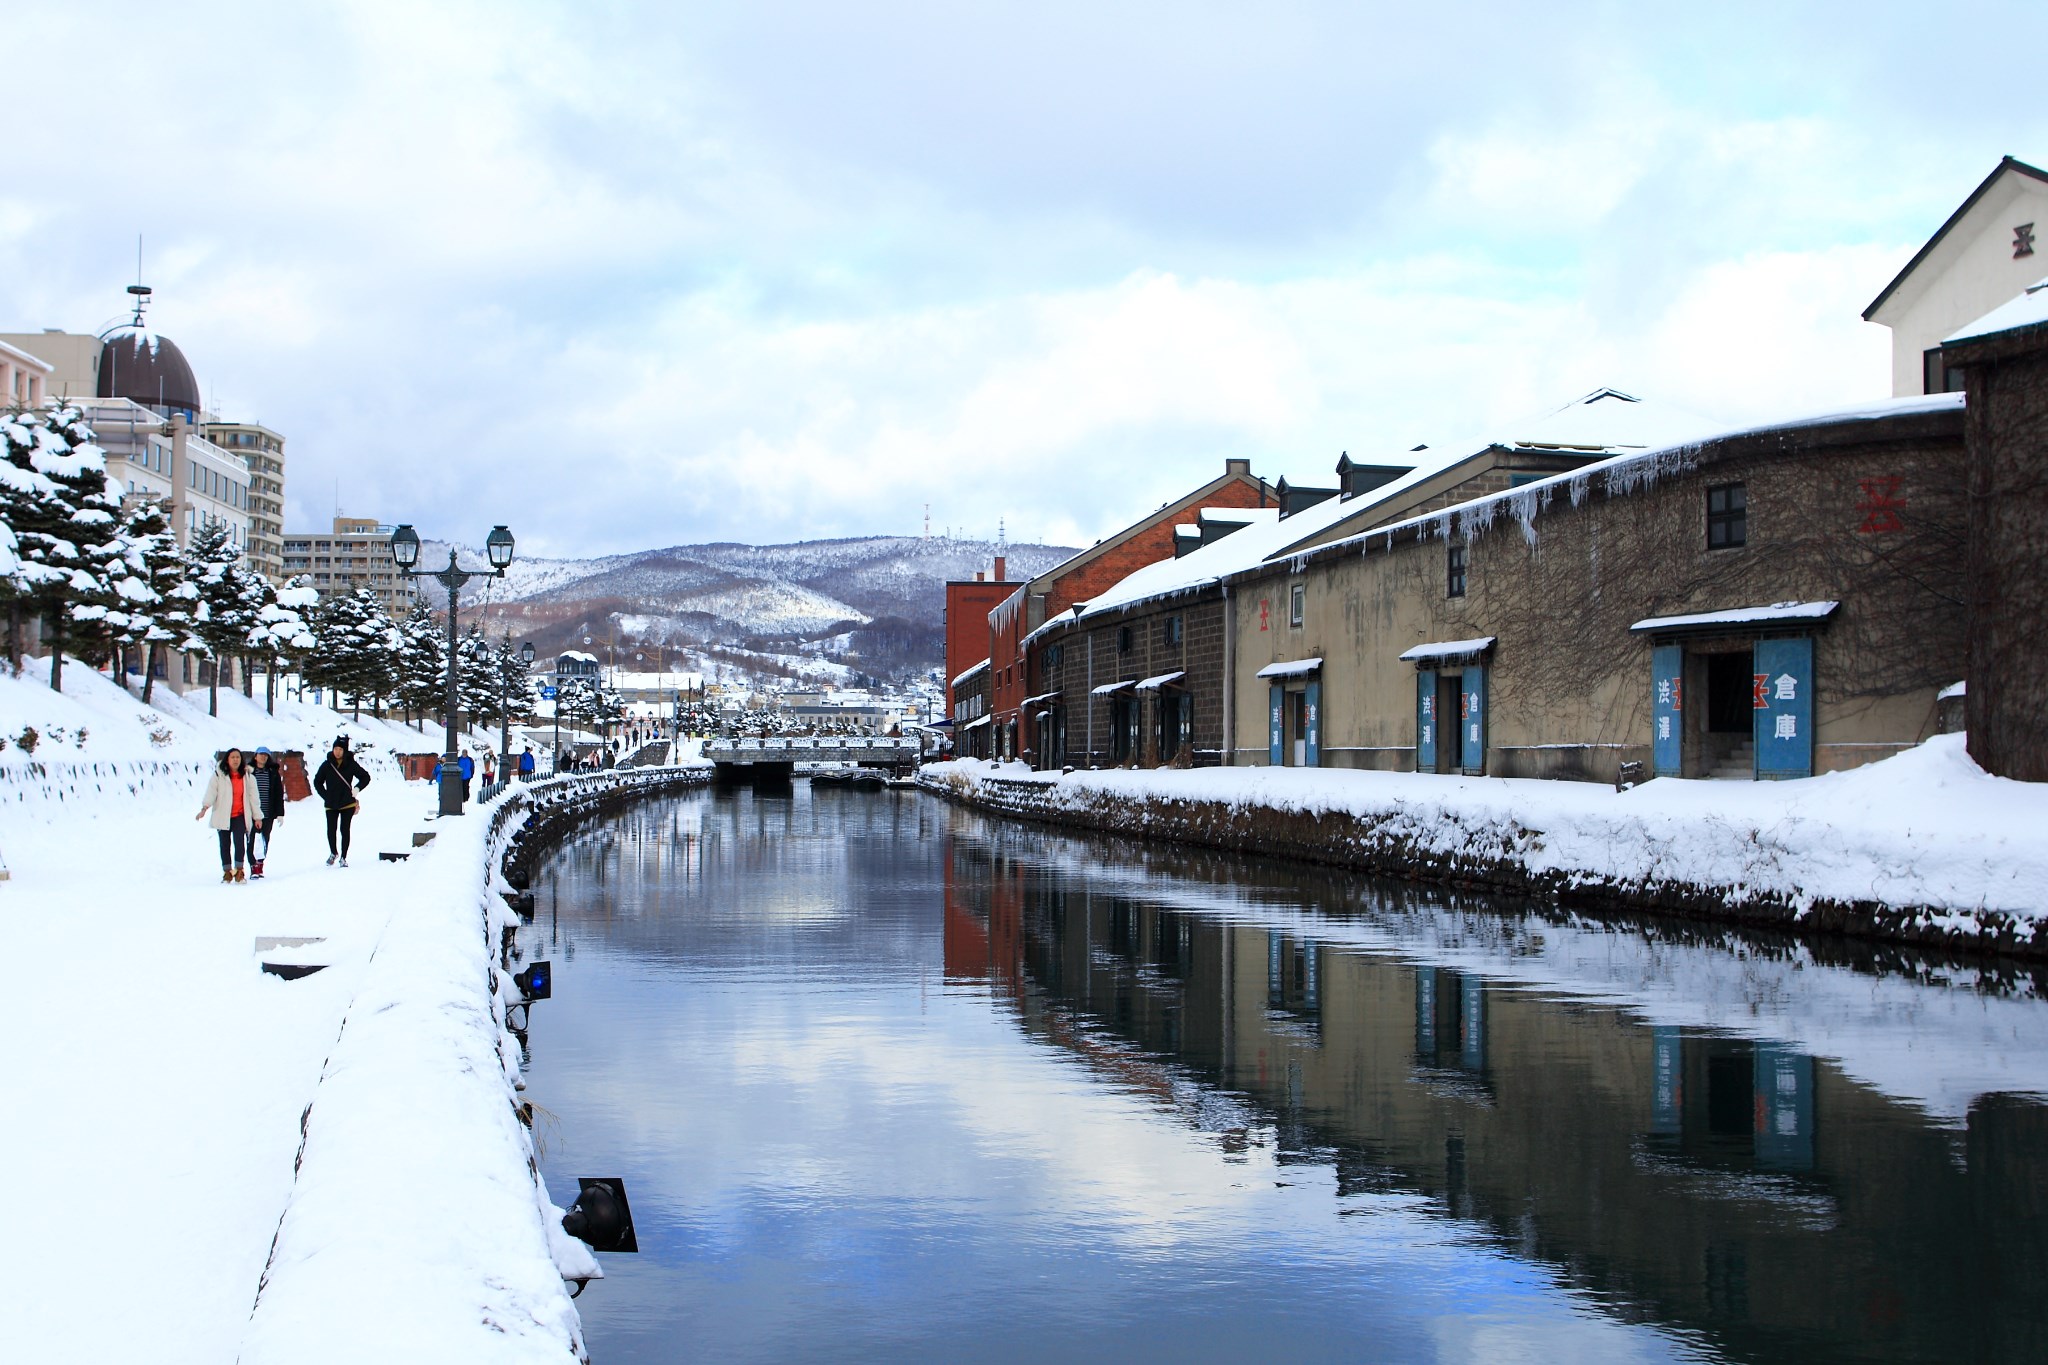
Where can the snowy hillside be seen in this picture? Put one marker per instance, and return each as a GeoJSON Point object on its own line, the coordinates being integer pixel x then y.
{"type": "Point", "coordinates": [878, 598]}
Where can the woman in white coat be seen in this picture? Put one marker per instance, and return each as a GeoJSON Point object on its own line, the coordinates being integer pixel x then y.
{"type": "Point", "coordinates": [235, 803]}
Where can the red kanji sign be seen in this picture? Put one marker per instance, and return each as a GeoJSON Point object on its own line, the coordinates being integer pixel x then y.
{"type": "Point", "coordinates": [1265, 612]}
{"type": "Point", "coordinates": [1759, 693]}
{"type": "Point", "coordinates": [1881, 505]}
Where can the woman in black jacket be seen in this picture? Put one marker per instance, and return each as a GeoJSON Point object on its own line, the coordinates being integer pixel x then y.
{"type": "Point", "coordinates": [268, 780]}
{"type": "Point", "coordinates": [340, 782]}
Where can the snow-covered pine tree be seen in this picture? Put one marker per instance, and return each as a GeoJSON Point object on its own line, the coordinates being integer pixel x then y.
{"type": "Point", "coordinates": [173, 615]}
{"type": "Point", "coordinates": [122, 619]}
{"type": "Point", "coordinates": [23, 488]}
{"type": "Point", "coordinates": [283, 634]}
{"type": "Point", "coordinates": [422, 663]}
{"type": "Point", "coordinates": [67, 537]}
{"type": "Point", "coordinates": [577, 702]}
{"type": "Point", "coordinates": [355, 648]}
{"type": "Point", "coordinates": [225, 612]}
{"type": "Point", "coordinates": [515, 683]}
{"type": "Point", "coordinates": [475, 679]}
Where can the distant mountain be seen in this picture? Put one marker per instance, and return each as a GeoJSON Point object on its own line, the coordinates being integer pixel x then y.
{"type": "Point", "coordinates": [878, 602]}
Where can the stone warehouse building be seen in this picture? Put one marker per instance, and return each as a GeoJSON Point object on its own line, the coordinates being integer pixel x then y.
{"type": "Point", "coordinates": [1771, 603]}
{"type": "Point", "coordinates": [1141, 673]}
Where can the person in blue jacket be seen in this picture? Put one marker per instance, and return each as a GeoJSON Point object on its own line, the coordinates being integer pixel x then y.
{"type": "Point", "coordinates": [526, 764]}
{"type": "Point", "coordinates": [468, 767]}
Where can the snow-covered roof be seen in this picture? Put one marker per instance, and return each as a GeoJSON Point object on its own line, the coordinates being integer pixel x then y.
{"type": "Point", "coordinates": [977, 724]}
{"type": "Point", "coordinates": [1953, 690]}
{"type": "Point", "coordinates": [1605, 419]}
{"type": "Point", "coordinates": [20, 356]}
{"type": "Point", "coordinates": [1449, 649]}
{"type": "Point", "coordinates": [1154, 684]}
{"type": "Point", "coordinates": [1740, 616]}
{"type": "Point", "coordinates": [1526, 500]}
{"type": "Point", "coordinates": [962, 679]}
{"type": "Point", "coordinates": [2027, 309]}
{"type": "Point", "coordinates": [1041, 699]}
{"type": "Point", "coordinates": [578, 655]}
{"type": "Point", "coordinates": [1108, 688]}
{"type": "Point", "coordinates": [1294, 668]}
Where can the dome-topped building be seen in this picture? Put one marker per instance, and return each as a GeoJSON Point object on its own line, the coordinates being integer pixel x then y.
{"type": "Point", "coordinates": [143, 367]}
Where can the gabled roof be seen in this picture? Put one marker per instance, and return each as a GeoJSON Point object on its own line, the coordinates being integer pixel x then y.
{"type": "Point", "coordinates": [2005, 164]}
{"type": "Point", "coordinates": [1169, 513]}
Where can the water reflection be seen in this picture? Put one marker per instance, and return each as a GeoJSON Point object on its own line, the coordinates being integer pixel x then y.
{"type": "Point", "coordinates": [892, 1081]}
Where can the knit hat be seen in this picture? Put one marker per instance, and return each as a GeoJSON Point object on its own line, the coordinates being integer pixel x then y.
{"type": "Point", "coordinates": [263, 748]}
{"type": "Point", "coordinates": [340, 741]}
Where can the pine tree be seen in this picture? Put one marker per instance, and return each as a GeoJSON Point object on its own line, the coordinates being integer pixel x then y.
{"type": "Point", "coordinates": [24, 488]}
{"type": "Point", "coordinates": [225, 613]}
{"type": "Point", "coordinates": [355, 648]}
{"type": "Point", "coordinates": [422, 662]}
{"type": "Point", "coordinates": [284, 634]}
{"type": "Point", "coordinates": [476, 680]}
{"type": "Point", "coordinates": [67, 532]}
{"type": "Point", "coordinates": [515, 683]}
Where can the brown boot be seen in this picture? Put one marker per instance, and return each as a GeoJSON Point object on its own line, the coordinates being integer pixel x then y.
{"type": "Point", "coordinates": [238, 874]}
{"type": "Point", "coordinates": [227, 874]}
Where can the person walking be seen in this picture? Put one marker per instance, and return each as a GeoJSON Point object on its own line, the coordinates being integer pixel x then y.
{"type": "Point", "coordinates": [490, 770]}
{"type": "Point", "coordinates": [340, 784]}
{"type": "Point", "coordinates": [268, 779]}
{"type": "Point", "coordinates": [231, 800]}
{"type": "Point", "coordinates": [467, 765]}
{"type": "Point", "coordinates": [526, 764]}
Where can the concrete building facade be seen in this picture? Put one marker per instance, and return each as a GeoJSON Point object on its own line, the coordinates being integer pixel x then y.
{"type": "Point", "coordinates": [262, 450]}
{"type": "Point", "coordinates": [355, 554]}
{"type": "Point", "coordinates": [1993, 246]}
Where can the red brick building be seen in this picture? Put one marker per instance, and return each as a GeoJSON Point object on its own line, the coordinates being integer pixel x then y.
{"type": "Point", "coordinates": [1095, 570]}
{"type": "Point", "coordinates": [968, 603]}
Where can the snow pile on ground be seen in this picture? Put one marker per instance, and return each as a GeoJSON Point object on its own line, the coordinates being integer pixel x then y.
{"type": "Point", "coordinates": [1924, 830]}
{"type": "Point", "coordinates": [416, 1197]}
{"type": "Point", "coordinates": [157, 1077]}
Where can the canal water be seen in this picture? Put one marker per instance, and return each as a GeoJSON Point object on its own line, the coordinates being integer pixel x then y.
{"type": "Point", "coordinates": [887, 1080]}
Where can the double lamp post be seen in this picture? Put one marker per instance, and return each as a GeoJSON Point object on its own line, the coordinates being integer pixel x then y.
{"type": "Point", "coordinates": [405, 548]}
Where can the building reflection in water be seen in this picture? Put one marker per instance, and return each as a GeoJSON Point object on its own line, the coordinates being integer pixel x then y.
{"type": "Point", "coordinates": [1733, 1187]}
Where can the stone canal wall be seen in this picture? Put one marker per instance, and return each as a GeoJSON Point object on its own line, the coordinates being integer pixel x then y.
{"type": "Point", "coordinates": [1813, 862]}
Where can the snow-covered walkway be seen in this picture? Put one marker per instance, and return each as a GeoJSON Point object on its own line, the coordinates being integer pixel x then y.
{"type": "Point", "coordinates": [157, 1077]}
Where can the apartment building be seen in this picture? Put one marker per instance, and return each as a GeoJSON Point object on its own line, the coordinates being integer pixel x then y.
{"type": "Point", "coordinates": [355, 554]}
{"type": "Point", "coordinates": [263, 450]}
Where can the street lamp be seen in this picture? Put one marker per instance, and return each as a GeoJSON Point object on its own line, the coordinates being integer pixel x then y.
{"type": "Point", "coordinates": [405, 549]}
{"type": "Point", "coordinates": [525, 657]}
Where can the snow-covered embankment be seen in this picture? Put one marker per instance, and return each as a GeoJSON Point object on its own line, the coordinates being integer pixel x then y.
{"type": "Point", "coordinates": [1924, 847]}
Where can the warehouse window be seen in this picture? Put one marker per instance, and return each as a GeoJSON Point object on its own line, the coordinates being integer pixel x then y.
{"type": "Point", "coordinates": [1727, 516]}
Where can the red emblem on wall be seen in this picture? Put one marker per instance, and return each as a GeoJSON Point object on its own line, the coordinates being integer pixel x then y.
{"type": "Point", "coordinates": [1760, 692]}
{"type": "Point", "coordinates": [1880, 505]}
{"type": "Point", "coordinates": [1265, 612]}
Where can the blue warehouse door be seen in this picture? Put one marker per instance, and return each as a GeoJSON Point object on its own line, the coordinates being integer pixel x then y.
{"type": "Point", "coordinates": [1667, 710]}
{"type": "Point", "coordinates": [1472, 720]}
{"type": "Point", "coordinates": [1312, 723]}
{"type": "Point", "coordinates": [1425, 721]}
{"type": "Point", "coordinates": [1276, 725]}
{"type": "Point", "coordinates": [1783, 704]}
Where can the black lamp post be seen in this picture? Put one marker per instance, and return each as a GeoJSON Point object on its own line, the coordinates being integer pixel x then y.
{"type": "Point", "coordinates": [525, 657]}
{"type": "Point", "coordinates": [405, 548]}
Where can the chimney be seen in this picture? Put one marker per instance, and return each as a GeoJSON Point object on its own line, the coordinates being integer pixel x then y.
{"type": "Point", "coordinates": [1000, 565]}
{"type": "Point", "coordinates": [1237, 467]}
{"type": "Point", "coordinates": [977, 575]}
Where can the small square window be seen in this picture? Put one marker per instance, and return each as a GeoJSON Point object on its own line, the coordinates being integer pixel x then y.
{"type": "Point", "coordinates": [1297, 604]}
{"type": "Point", "coordinates": [1454, 571]}
{"type": "Point", "coordinates": [1727, 516]}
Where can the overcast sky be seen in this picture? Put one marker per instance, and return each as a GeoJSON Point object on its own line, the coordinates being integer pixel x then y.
{"type": "Point", "coordinates": [630, 276]}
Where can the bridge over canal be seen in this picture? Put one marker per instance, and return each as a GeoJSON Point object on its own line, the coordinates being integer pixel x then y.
{"type": "Point", "coordinates": [778, 758]}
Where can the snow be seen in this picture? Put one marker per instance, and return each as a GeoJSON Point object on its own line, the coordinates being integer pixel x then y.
{"type": "Point", "coordinates": [1293, 668]}
{"type": "Point", "coordinates": [1740, 616]}
{"type": "Point", "coordinates": [1952, 691]}
{"type": "Point", "coordinates": [1924, 828]}
{"type": "Point", "coordinates": [1106, 688]}
{"type": "Point", "coordinates": [2029, 308]}
{"type": "Point", "coordinates": [1155, 683]}
{"type": "Point", "coordinates": [1450, 649]}
{"type": "Point", "coordinates": [157, 1076]}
